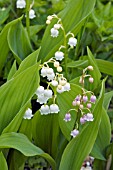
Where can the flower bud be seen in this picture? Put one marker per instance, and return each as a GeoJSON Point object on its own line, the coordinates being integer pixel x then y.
{"type": "Point", "coordinates": [89, 105]}
{"type": "Point", "coordinates": [56, 64]}
{"type": "Point", "coordinates": [85, 99]}
{"type": "Point", "coordinates": [49, 17]}
{"type": "Point", "coordinates": [78, 103]}
{"type": "Point", "coordinates": [48, 22]}
{"type": "Point", "coordinates": [93, 99]}
{"type": "Point", "coordinates": [91, 80]}
{"type": "Point", "coordinates": [63, 82]}
{"type": "Point", "coordinates": [90, 68]}
{"type": "Point", "coordinates": [81, 106]}
{"type": "Point", "coordinates": [74, 103]}
{"type": "Point", "coordinates": [59, 69]}
{"type": "Point", "coordinates": [74, 133]}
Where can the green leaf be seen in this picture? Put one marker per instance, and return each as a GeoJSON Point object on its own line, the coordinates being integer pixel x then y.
{"type": "Point", "coordinates": [65, 103]}
{"type": "Point", "coordinates": [78, 64]}
{"type": "Point", "coordinates": [15, 123]}
{"type": "Point", "coordinates": [105, 66]}
{"type": "Point", "coordinates": [4, 47]}
{"type": "Point", "coordinates": [15, 93]}
{"type": "Point", "coordinates": [28, 62]}
{"type": "Point", "coordinates": [104, 135]}
{"type": "Point", "coordinates": [107, 99]}
{"type": "Point", "coordinates": [3, 163]}
{"type": "Point", "coordinates": [4, 14]}
{"type": "Point", "coordinates": [19, 42]}
{"type": "Point", "coordinates": [21, 143]}
{"type": "Point", "coordinates": [73, 16]}
{"type": "Point", "coordinates": [46, 134]}
{"type": "Point", "coordinates": [12, 71]}
{"type": "Point", "coordinates": [72, 157]}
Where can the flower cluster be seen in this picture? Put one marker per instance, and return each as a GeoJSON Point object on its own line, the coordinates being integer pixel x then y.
{"type": "Point", "coordinates": [84, 75]}
{"type": "Point", "coordinates": [55, 30]}
{"type": "Point", "coordinates": [56, 81]}
{"type": "Point", "coordinates": [22, 4]}
{"type": "Point", "coordinates": [82, 105]}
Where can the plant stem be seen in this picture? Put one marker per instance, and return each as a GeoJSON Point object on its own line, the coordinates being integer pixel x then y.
{"type": "Point", "coordinates": [27, 17]}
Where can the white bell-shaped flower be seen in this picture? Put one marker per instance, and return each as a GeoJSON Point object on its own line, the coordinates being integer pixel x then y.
{"type": "Point", "coordinates": [44, 71]}
{"type": "Point", "coordinates": [44, 110]}
{"type": "Point", "coordinates": [54, 32]}
{"type": "Point", "coordinates": [40, 90]}
{"type": "Point", "coordinates": [50, 76]}
{"type": "Point", "coordinates": [59, 55]}
{"type": "Point", "coordinates": [67, 87]}
{"type": "Point", "coordinates": [48, 93]}
{"type": "Point", "coordinates": [20, 4]}
{"type": "Point", "coordinates": [32, 14]}
{"type": "Point", "coordinates": [28, 114]}
{"type": "Point", "coordinates": [60, 89]}
{"type": "Point", "coordinates": [72, 42]}
{"type": "Point", "coordinates": [42, 99]}
{"type": "Point", "coordinates": [54, 108]}
{"type": "Point", "coordinates": [54, 83]}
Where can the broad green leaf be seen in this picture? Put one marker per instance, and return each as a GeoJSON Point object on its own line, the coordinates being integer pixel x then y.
{"type": "Point", "coordinates": [73, 16]}
{"type": "Point", "coordinates": [15, 93]}
{"type": "Point", "coordinates": [79, 147]}
{"type": "Point", "coordinates": [3, 163]}
{"type": "Point", "coordinates": [12, 71]}
{"type": "Point", "coordinates": [46, 134]}
{"type": "Point", "coordinates": [105, 66]}
{"type": "Point", "coordinates": [104, 135]}
{"type": "Point", "coordinates": [15, 123]}
{"type": "Point", "coordinates": [35, 29]}
{"type": "Point", "coordinates": [21, 143]}
{"type": "Point", "coordinates": [4, 47]}
{"type": "Point", "coordinates": [65, 103]}
{"type": "Point", "coordinates": [28, 62]}
{"type": "Point", "coordinates": [107, 98]}
{"type": "Point", "coordinates": [95, 73]}
{"type": "Point", "coordinates": [4, 14]}
{"type": "Point", "coordinates": [78, 64]}
{"type": "Point", "coordinates": [19, 42]}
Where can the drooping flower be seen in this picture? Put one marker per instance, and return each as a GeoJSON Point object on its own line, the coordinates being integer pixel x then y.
{"type": "Point", "coordinates": [42, 99]}
{"type": "Point", "coordinates": [89, 117]}
{"type": "Point", "coordinates": [93, 99]}
{"type": "Point", "coordinates": [28, 114]}
{"type": "Point", "coordinates": [67, 117]}
{"type": "Point", "coordinates": [60, 88]}
{"type": "Point", "coordinates": [72, 42]}
{"type": "Point", "coordinates": [57, 26]}
{"type": "Point", "coordinates": [85, 99]}
{"type": "Point", "coordinates": [44, 71]}
{"type": "Point", "coordinates": [74, 133]}
{"type": "Point", "coordinates": [48, 93]}
{"type": "Point", "coordinates": [40, 90]}
{"type": "Point", "coordinates": [59, 55]}
{"type": "Point", "coordinates": [54, 83]}
{"type": "Point", "coordinates": [54, 108]}
{"type": "Point", "coordinates": [67, 87]}
{"type": "Point", "coordinates": [20, 4]}
{"type": "Point", "coordinates": [91, 80]}
{"type": "Point", "coordinates": [54, 32]}
{"type": "Point", "coordinates": [32, 14]}
{"type": "Point", "coordinates": [45, 110]}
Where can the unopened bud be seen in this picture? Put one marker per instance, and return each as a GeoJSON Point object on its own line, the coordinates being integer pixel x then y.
{"type": "Point", "coordinates": [48, 22]}
{"type": "Point", "coordinates": [63, 82]}
{"type": "Point", "coordinates": [78, 103]}
{"type": "Point", "coordinates": [91, 80]}
{"type": "Point", "coordinates": [81, 106]}
{"type": "Point", "coordinates": [59, 69]}
{"type": "Point", "coordinates": [56, 64]}
{"type": "Point", "coordinates": [90, 68]}
{"type": "Point", "coordinates": [59, 87]}
{"type": "Point", "coordinates": [49, 17]}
